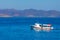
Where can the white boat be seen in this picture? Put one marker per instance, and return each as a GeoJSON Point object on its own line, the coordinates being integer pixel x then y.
{"type": "Point", "coordinates": [44, 27]}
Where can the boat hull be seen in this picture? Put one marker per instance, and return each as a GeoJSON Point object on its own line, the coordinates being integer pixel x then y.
{"type": "Point", "coordinates": [42, 28]}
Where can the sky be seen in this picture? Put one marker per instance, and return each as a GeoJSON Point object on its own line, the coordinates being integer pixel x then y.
{"type": "Point", "coordinates": [30, 4]}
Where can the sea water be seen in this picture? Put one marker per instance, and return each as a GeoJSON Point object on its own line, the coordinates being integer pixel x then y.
{"type": "Point", "coordinates": [19, 29]}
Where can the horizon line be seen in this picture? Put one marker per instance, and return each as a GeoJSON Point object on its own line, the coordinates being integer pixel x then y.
{"type": "Point", "coordinates": [28, 9]}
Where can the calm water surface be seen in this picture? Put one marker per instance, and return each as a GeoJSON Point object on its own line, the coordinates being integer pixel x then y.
{"type": "Point", "coordinates": [19, 29]}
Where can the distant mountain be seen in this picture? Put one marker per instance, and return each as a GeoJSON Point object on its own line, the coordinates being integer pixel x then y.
{"type": "Point", "coordinates": [28, 13]}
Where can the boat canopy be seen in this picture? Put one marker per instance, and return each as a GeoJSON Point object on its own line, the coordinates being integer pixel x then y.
{"type": "Point", "coordinates": [43, 25]}
{"type": "Point", "coordinates": [48, 25]}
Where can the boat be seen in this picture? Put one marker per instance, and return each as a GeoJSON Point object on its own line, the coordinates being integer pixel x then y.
{"type": "Point", "coordinates": [40, 27]}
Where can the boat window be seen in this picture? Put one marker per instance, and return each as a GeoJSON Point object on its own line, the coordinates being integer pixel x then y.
{"type": "Point", "coordinates": [40, 25]}
{"type": "Point", "coordinates": [46, 26]}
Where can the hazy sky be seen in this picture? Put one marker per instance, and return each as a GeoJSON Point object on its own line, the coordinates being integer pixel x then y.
{"type": "Point", "coordinates": [27, 4]}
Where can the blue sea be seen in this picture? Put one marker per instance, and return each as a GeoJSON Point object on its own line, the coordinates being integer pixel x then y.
{"type": "Point", "coordinates": [16, 28]}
